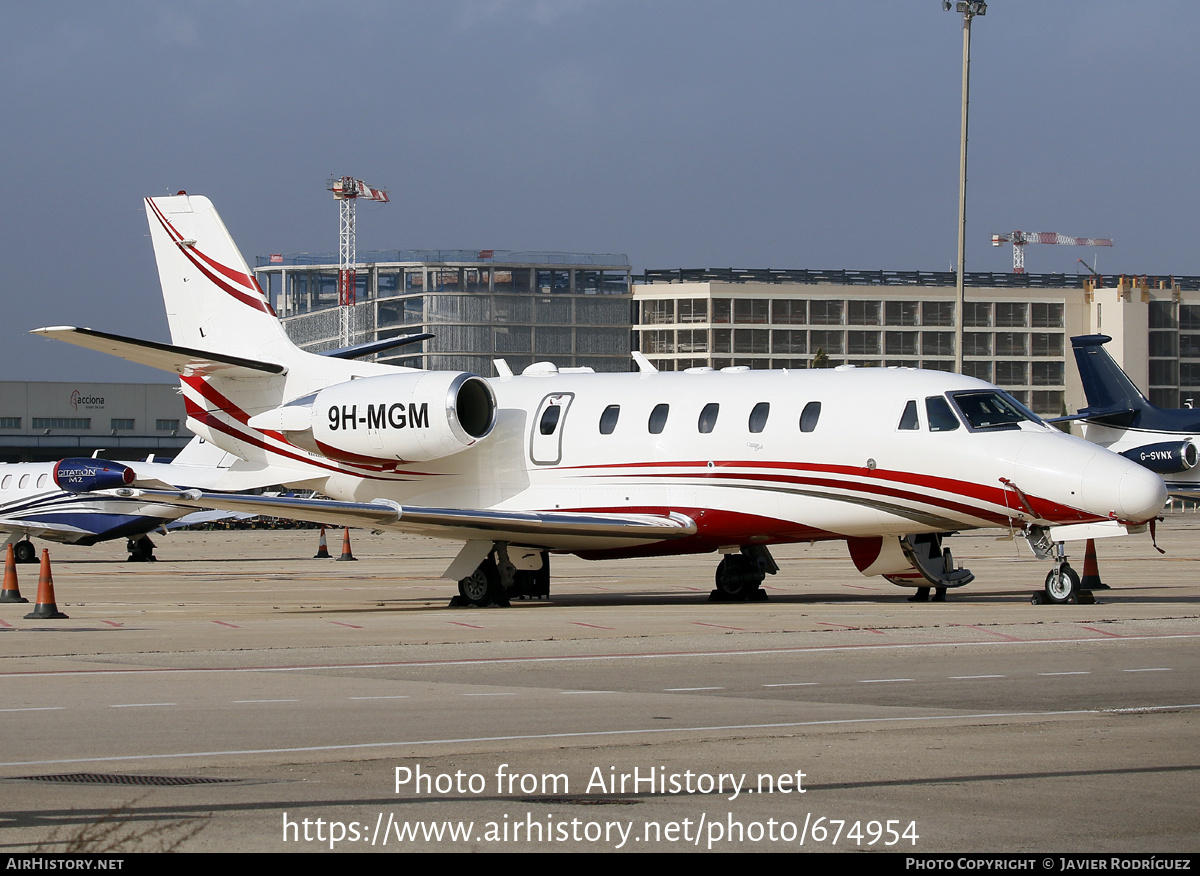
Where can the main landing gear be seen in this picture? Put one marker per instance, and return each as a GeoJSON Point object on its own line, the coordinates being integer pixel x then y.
{"type": "Point", "coordinates": [740, 576]}
{"type": "Point", "coordinates": [498, 579]}
{"type": "Point", "coordinates": [141, 550]}
{"type": "Point", "coordinates": [24, 551]}
{"type": "Point", "coordinates": [1062, 582]}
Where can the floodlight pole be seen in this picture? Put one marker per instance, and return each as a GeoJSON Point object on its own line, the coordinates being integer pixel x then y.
{"type": "Point", "coordinates": [969, 9]}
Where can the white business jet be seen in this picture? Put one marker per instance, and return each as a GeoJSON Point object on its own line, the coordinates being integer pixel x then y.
{"type": "Point", "coordinates": [889, 460]}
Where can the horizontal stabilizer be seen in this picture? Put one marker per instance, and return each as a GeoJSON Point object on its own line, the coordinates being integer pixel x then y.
{"type": "Point", "coordinates": [167, 357]}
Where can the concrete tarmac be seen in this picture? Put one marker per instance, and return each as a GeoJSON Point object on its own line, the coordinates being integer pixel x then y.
{"type": "Point", "coordinates": [241, 696]}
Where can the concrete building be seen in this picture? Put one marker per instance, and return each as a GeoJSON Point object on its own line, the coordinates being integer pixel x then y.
{"type": "Point", "coordinates": [571, 308]}
{"type": "Point", "coordinates": [1016, 331]}
{"type": "Point", "coordinates": [44, 421]}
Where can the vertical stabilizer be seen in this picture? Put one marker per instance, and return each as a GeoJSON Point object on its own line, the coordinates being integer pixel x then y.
{"type": "Point", "coordinates": [213, 301]}
{"type": "Point", "coordinates": [1108, 389]}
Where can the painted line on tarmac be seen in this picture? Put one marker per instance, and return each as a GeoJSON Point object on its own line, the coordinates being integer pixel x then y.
{"type": "Point", "coordinates": [595, 658]}
{"type": "Point", "coordinates": [602, 734]}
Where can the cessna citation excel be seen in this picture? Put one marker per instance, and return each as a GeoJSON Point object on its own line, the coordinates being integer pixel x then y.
{"type": "Point", "coordinates": [891, 461]}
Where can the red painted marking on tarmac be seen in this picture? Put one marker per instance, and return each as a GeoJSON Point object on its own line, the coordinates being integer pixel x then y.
{"type": "Point", "coordinates": [224, 624]}
{"type": "Point", "coordinates": [1105, 633]}
{"type": "Point", "coordinates": [844, 627]}
{"type": "Point", "coordinates": [468, 626]}
{"type": "Point", "coordinates": [112, 623]}
{"type": "Point", "coordinates": [351, 626]}
{"type": "Point", "coordinates": [593, 626]}
{"type": "Point", "coordinates": [4, 623]}
{"type": "Point", "coordinates": [861, 587]}
{"type": "Point", "coordinates": [718, 626]}
{"type": "Point", "coordinates": [989, 632]}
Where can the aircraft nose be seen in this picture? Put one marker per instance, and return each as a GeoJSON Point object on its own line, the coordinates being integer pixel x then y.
{"type": "Point", "coordinates": [1141, 494]}
{"type": "Point", "coordinates": [1115, 485]}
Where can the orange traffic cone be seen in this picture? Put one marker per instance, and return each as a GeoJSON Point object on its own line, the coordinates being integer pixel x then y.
{"type": "Point", "coordinates": [46, 606]}
{"type": "Point", "coordinates": [322, 547]}
{"type": "Point", "coordinates": [11, 592]}
{"type": "Point", "coordinates": [346, 556]}
{"type": "Point", "coordinates": [1091, 570]}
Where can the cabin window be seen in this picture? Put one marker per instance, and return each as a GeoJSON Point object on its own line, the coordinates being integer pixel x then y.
{"type": "Point", "coordinates": [758, 416]}
{"type": "Point", "coordinates": [809, 416]}
{"type": "Point", "coordinates": [6, 483]}
{"type": "Point", "coordinates": [908, 420]}
{"type": "Point", "coordinates": [41, 481]}
{"type": "Point", "coordinates": [708, 418]}
{"type": "Point", "coordinates": [24, 482]}
{"type": "Point", "coordinates": [941, 418]}
{"type": "Point", "coordinates": [550, 420]}
{"type": "Point", "coordinates": [608, 419]}
{"type": "Point", "coordinates": [658, 418]}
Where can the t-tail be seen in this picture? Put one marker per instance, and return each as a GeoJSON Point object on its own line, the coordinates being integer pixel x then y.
{"type": "Point", "coordinates": [213, 301]}
{"type": "Point", "coordinates": [1114, 401]}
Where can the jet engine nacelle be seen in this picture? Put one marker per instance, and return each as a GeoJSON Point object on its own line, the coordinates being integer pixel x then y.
{"type": "Point", "coordinates": [414, 417]}
{"type": "Point", "coordinates": [910, 561]}
{"type": "Point", "coordinates": [1170, 457]}
{"type": "Point", "coordinates": [82, 475]}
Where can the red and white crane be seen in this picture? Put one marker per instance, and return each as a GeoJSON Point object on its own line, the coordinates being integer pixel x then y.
{"type": "Point", "coordinates": [1019, 239]}
{"type": "Point", "coordinates": [348, 190]}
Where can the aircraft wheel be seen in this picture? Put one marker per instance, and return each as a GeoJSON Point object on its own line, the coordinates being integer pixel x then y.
{"type": "Point", "coordinates": [480, 587]}
{"type": "Point", "coordinates": [483, 586]}
{"type": "Point", "coordinates": [24, 552]}
{"type": "Point", "coordinates": [737, 577]}
{"type": "Point", "coordinates": [1062, 585]}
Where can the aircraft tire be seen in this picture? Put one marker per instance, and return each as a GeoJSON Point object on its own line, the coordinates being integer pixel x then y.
{"type": "Point", "coordinates": [737, 578]}
{"type": "Point", "coordinates": [24, 551]}
{"type": "Point", "coordinates": [479, 587]}
{"type": "Point", "coordinates": [1062, 585]}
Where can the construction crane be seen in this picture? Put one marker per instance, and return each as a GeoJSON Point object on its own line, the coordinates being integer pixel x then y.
{"type": "Point", "coordinates": [1019, 239]}
{"type": "Point", "coordinates": [348, 190]}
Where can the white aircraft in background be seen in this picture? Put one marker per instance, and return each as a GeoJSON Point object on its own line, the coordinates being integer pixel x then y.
{"type": "Point", "coordinates": [889, 460]}
{"type": "Point", "coordinates": [1119, 418]}
{"type": "Point", "coordinates": [33, 505]}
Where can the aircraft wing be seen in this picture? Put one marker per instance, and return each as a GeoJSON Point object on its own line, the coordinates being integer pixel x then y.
{"type": "Point", "coordinates": [39, 529]}
{"type": "Point", "coordinates": [166, 357]}
{"type": "Point", "coordinates": [521, 527]}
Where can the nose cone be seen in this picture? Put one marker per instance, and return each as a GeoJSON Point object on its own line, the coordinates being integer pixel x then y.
{"type": "Point", "coordinates": [1141, 495]}
{"type": "Point", "coordinates": [1113, 484]}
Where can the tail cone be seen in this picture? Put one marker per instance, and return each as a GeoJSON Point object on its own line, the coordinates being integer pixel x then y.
{"type": "Point", "coordinates": [46, 606]}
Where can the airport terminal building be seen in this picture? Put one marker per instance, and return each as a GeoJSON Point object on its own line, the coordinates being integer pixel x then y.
{"type": "Point", "coordinates": [524, 307]}
{"type": "Point", "coordinates": [42, 421]}
{"type": "Point", "coordinates": [1016, 333]}
{"type": "Point", "coordinates": [576, 309]}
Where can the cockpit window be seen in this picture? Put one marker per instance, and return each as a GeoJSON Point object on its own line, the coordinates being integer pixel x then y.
{"type": "Point", "coordinates": [908, 420]}
{"type": "Point", "coordinates": [941, 417]}
{"type": "Point", "coordinates": [992, 410]}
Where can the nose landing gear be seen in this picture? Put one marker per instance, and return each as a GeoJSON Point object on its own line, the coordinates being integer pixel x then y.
{"type": "Point", "coordinates": [1062, 582]}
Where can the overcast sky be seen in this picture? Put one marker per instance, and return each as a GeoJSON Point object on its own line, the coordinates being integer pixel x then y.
{"type": "Point", "coordinates": [684, 133]}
